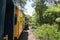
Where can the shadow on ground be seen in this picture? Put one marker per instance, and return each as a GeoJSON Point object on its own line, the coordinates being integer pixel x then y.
{"type": "Point", "coordinates": [24, 35]}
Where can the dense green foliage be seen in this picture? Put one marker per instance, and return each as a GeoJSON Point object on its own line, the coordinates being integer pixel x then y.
{"type": "Point", "coordinates": [39, 9]}
{"type": "Point", "coordinates": [51, 14]}
{"type": "Point", "coordinates": [47, 32]}
{"type": "Point", "coordinates": [27, 19]}
{"type": "Point", "coordinates": [46, 20]}
{"type": "Point", "coordinates": [22, 3]}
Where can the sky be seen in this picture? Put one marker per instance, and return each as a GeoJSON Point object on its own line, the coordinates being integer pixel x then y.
{"type": "Point", "coordinates": [29, 8]}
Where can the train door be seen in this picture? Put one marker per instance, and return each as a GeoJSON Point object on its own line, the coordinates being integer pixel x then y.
{"type": "Point", "coordinates": [9, 16]}
{"type": "Point", "coordinates": [2, 16]}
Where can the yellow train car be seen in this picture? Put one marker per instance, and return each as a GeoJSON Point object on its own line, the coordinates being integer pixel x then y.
{"type": "Point", "coordinates": [19, 22]}
{"type": "Point", "coordinates": [12, 21]}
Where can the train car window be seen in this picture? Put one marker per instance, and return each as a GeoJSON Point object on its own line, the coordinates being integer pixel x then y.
{"type": "Point", "coordinates": [15, 19]}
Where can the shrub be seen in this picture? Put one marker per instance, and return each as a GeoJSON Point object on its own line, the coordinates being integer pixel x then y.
{"type": "Point", "coordinates": [47, 32]}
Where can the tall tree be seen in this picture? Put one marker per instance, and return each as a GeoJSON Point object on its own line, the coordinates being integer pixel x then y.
{"type": "Point", "coordinates": [39, 8]}
{"type": "Point", "coordinates": [22, 3]}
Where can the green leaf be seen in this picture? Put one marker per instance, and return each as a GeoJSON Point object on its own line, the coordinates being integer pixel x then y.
{"type": "Point", "coordinates": [57, 19]}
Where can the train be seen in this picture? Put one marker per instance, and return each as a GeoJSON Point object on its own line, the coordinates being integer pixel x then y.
{"type": "Point", "coordinates": [12, 20]}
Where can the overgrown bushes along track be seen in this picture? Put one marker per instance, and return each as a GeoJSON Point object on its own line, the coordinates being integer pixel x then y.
{"type": "Point", "coordinates": [47, 32]}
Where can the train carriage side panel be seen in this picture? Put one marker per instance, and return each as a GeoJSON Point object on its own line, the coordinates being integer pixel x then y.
{"type": "Point", "coordinates": [18, 27]}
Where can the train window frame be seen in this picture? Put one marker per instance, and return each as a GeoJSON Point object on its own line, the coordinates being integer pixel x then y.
{"type": "Point", "coordinates": [15, 19]}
